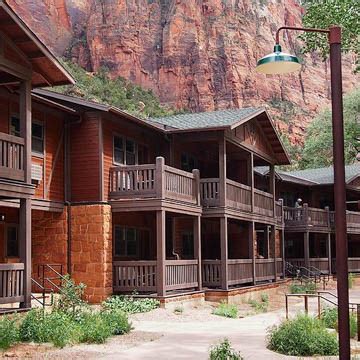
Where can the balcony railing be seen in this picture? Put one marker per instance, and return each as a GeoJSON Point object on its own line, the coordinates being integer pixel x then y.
{"type": "Point", "coordinates": [11, 283]}
{"type": "Point", "coordinates": [154, 181]}
{"type": "Point", "coordinates": [12, 157]}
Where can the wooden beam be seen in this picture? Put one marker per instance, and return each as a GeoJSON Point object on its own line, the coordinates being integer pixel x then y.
{"type": "Point", "coordinates": [272, 187]}
{"type": "Point", "coordinates": [224, 252]}
{"type": "Point", "coordinates": [273, 249]}
{"type": "Point", "coordinates": [251, 179]}
{"type": "Point", "coordinates": [222, 170]}
{"type": "Point", "coordinates": [25, 248]}
{"type": "Point", "coordinates": [37, 69]}
{"type": "Point", "coordinates": [161, 252]}
{"type": "Point", "coordinates": [197, 247]}
{"type": "Point", "coordinates": [251, 245]}
{"type": "Point", "coordinates": [328, 251]}
{"type": "Point", "coordinates": [306, 249]}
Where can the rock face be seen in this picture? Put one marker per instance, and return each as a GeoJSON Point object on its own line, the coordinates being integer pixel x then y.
{"type": "Point", "coordinates": [194, 54]}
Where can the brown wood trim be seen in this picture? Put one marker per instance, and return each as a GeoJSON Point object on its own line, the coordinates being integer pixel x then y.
{"type": "Point", "coordinates": [101, 160]}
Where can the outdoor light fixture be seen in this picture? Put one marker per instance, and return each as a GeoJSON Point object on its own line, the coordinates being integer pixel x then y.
{"type": "Point", "coordinates": [281, 63]}
{"type": "Point", "coordinates": [278, 62]}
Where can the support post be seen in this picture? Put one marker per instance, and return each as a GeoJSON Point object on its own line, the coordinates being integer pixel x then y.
{"type": "Point", "coordinates": [251, 178]}
{"type": "Point", "coordinates": [252, 249]}
{"type": "Point", "coordinates": [273, 249]}
{"type": "Point", "coordinates": [283, 253]}
{"type": "Point", "coordinates": [25, 248]}
{"type": "Point", "coordinates": [222, 170]}
{"type": "Point", "coordinates": [272, 187]}
{"type": "Point", "coordinates": [306, 249]}
{"type": "Point", "coordinates": [267, 242]}
{"type": "Point", "coordinates": [197, 248]}
{"type": "Point", "coordinates": [196, 174]}
{"type": "Point", "coordinates": [159, 177]}
{"type": "Point", "coordinates": [161, 253]}
{"type": "Point", "coordinates": [224, 252]}
{"type": "Point", "coordinates": [328, 251]}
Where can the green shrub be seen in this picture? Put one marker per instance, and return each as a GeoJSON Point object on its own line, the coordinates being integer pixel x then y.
{"type": "Point", "coordinates": [262, 305]}
{"type": "Point", "coordinates": [224, 351]}
{"type": "Point", "coordinates": [178, 310]}
{"type": "Point", "coordinates": [95, 328]}
{"type": "Point", "coordinates": [130, 305]}
{"type": "Point", "coordinates": [329, 316]}
{"type": "Point", "coordinates": [307, 287]}
{"type": "Point", "coordinates": [32, 327]}
{"type": "Point", "coordinates": [117, 320]}
{"type": "Point", "coordinates": [9, 332]}
{"type": "Point", "coordinates": [303, 336]}
{"type": "Point", "coordinates": [226, 310]}
{"type": "Point", "coordinates": [351, 280]}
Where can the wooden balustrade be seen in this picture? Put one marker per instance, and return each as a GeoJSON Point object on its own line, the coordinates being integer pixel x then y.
{"type": "Point", "coordinates": [306, 216]}
{"type": "Point", "coordinates": [279, 267]}
{"type": "Point", "coordinates": [263, 203]}
{"type": "Point", "coordinates": [134, 275]}
{"type": "Point", "coordinates": [181, 274]}
{"type": "Point", "coordinates": [209, 190]}
{"type": "Point", "coordinates": [279, 212]}
{"type": "Point", "coordinates": [353, 219]}
{"type": "Point", "coordinates": [299, 262]}
{"type": "Point", "coordinates": [11, 283]}
{"type": "Point", "coordinates": [354, 264]}
{"type": "Point", "coordinates": [318, 217]}
{"type": "Point", "coordinates": [211, 273]}
{"type": "Point", "coordinates": [12, 157]}
{"type": "Point", "coordinates": [240, 271]}
{"type": "Point", "coordinates": [320, 263]}
{"type": "Point", "coordinates": [264, 269]}
{"type": "Point", "coordinates": [238, 196]}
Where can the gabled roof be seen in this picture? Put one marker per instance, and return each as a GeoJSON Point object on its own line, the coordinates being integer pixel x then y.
{"type": "Point", "coordinates": [47, 70]}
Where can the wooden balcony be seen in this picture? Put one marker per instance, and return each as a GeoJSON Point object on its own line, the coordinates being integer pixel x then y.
{"type": "Point", "coordinates": [11, 283]}
{"type": "Point", "coordinates": [239, 197]}
{"type": "Point", "coordinates": [156, 181]}
{"type": "Point", "coordinates": [353, 221]}
{"type": "Point", "coordinates": [12, 157]}
{"type": "Point", "coordinates": [240, 271]}
{"type": "Point", "coordinates": [142, 275]}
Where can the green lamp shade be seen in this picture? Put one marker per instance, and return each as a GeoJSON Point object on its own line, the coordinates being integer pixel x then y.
{"type": "Point", "coordinates": [278, 63]}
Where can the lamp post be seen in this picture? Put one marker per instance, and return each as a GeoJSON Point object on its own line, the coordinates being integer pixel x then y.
{"type": "Point", "coordinates": [281, 63]}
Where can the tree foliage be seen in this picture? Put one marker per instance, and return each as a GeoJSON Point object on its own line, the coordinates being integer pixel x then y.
{"type": "Point", "coordinates": [324, 13]}
{"type": "Point", "coordinates": [317, 151]}
{"type": "Point", "coordinates": [118, 92]}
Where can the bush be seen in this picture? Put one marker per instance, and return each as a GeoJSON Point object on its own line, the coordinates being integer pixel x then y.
{"type": "Point", "coordinates": [178, 310]}
{"type": "Point", "coordinates": [9, 332]}
{"type": "Point", "coordinates": [130, 305]}
{"type": "Point", "coordinates": [329, 316]}
{"type": "Point", "coordinates": [117, 321]}
{"type": "Point", "coordinates": [307, 287]}
{"type": "Point", "coordinates": [351, 280]}
{"type": "Point", "coordinates": [226, 310]}
{"type": "Point", "coordinates": [224, 351]}
{"type": "Point", "coordinates": [303, 336]}
{"type": "Point", "coordinates": [262, 305]}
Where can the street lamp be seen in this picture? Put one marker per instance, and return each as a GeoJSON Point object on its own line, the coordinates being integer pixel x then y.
{"type": "Point", "coordinates": [280, 63]}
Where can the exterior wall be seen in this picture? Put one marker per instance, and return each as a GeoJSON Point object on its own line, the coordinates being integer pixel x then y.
{"type": "Point", "coordinates": [11, 217]}
{"type": "Point", "coordinates": [91, 257]}
{"type": "Point", "coordinates": [85, 159]}
{"type": "Point", "coordinates": [181, 225]}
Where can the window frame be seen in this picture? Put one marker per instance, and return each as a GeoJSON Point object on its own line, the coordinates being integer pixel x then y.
{"type": "Point", "coordinates": [6, 227]}
{"type": "Point", "coordinates": [124, 229]}
{"type": "Point", "coordinates": [124, 140]}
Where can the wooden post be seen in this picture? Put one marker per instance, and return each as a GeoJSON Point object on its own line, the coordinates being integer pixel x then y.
{"type": "Point", "coordinates": [161, 252]}
{"type": "Point", "coordinates": [306, 249]}
{"type": "Point", "coordinates": [267, 242]}
{"type": "Point", "coordinates": [25, 126]}
{"type": "Point", "coordinates": [358, 320]}
{"type": "Point", "coordinates": [224, 252]}
{"type": "Point", "coordinates": [197, 247]}
{"type": "Point", "coordinates": [160, 177]}
{"type": "Point", "coordinates": [222, 170]}
{"type": "Point", "coordinates": [273, 246]}
{"type": "Point", "coordinates": [287, 306]}
{"type": "Point", "coordinates": [283, 253]}
{"type": "Point", "coordinates": [196, 174]}
{"type": "Point", "coordinates": [252, 250]}
{"type": "Point", "coordinates": [251, 178]}
{"type": "Point", "coordinates": [305, 214]}
{"type": "Point", "coordinates": [25, 248]}
{"type": "Point", "coordinates": [272, 187]}
{"type": "Point", "coordinates": [328, 251]}
{"type": "Point", "coordinates": [306, 303]}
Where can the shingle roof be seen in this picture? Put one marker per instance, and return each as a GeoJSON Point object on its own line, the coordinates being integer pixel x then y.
{"type": "Point", "coordinates": [220, 118]}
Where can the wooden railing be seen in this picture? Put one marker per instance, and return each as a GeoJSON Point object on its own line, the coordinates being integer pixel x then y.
{"type": "Point", "coordinates": [264, 269]}
{"type": "Point", "coordinates": [134, 275]}
{"type": "Point", "coordinates": [353, 219]}
{"type": "Point", "coordinates": [154, 181]}
{"type": "Point", "coordinates": [181, 274]}
{"type": "Point", "coordinates": [299, 262]}
{"type": "Point", "coordinates": [211, 273]}
{"type": "Point", "coordinates": [320, 263]}
{"type": "Point", "coordinates": [240, 271]}
{"type": "Point", "coordinates": [11, 283]}
{"type": "Point", "coordinates": [12, 157]}
{"type": "Point", "coordinates": [279, 267]}
{"type": "Point", "coordinates": [263, 203]}
{"type": "Point", "coordinates": [238, 196]}
{"type": "Point", "coordinates": [279, 210]}
{"type": "Point", "coordinates": [209, 190]}
{"type": "Point", "coordinates": [305, 216]}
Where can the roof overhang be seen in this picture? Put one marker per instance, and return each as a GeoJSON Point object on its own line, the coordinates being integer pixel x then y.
{"type": "Point", "coordinates": [47, 70]}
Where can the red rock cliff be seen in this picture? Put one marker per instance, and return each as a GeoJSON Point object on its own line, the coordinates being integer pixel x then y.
{"type": "Point", "coordinates": [194, 54]}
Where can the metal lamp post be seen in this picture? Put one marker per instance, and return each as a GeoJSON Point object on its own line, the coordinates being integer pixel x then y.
{"type": "Point", "coordinates": [280, 63]}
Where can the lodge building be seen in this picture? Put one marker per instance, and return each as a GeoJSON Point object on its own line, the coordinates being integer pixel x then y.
{"type": "Point", "coordinates": [162, 206]}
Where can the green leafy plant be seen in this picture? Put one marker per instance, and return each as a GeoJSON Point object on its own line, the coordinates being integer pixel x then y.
{"type": "Point", "coordinates": [179, 310]}
{"type": "Point", "coordinates": [329, 316]}
{"type": "Point", "coordinates": [117, 320]}
{"type": "Point", "coordinates": [9, 332]}
{"type": "Point", "coordinates": [226, 310]}
{"type": "Point", "coordinates": [351, 280]}
{"type": "Point", "coordinates": [224, 351]}
{"type": "Point", "coordinates": [129, 304]}
{"type": "Point", "coordinates": [262, 305]}
{"type": "Point", "coordinates": [306, 287]}
{"type": "Point", "coordinates": [303, 336]}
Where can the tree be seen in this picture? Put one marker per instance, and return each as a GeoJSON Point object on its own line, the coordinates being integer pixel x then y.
{"type": "Point", "coordinates": [317, 150]}
{"type": "Point", "coordinates": [324, 13]}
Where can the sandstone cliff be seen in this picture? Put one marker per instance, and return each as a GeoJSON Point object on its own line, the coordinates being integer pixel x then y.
{"type": "Point", "coordinates": [194, 54]}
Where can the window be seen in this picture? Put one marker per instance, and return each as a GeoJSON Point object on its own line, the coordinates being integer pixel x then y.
{"type": "Point", "coordinates": [188, 162]}
{"type": "Point", "coordinates": [37, 134]}
{"type": "Point", "coordinates": [188, 244]}
{"type": "Point", "coordinates": [126, 241]}
{"type": "Point", "coordinates": [125, 151]}
{"type": "Point", "coordinates": [12, 243]}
